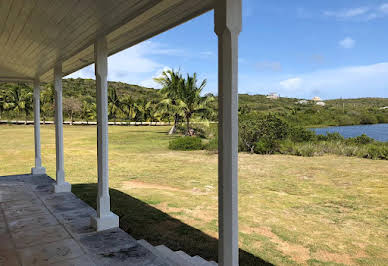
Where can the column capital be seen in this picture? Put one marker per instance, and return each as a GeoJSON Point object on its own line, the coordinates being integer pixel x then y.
{"type": "Point", "coordinates": [36, 83]}
{"type": "Point", "coordinates": [227, 16]}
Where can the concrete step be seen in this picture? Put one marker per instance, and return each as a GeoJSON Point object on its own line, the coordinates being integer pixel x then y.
{"type": "Point", "coordinates": [175, 258]}
{"type": "Point", "coordinates": [172, 256]}
{"type": "Point", "coordinates": [185, 256]}
{"type": "Point", "coordinates": [200, 261]}
{"type": "Point", "coordinates": [155, 251]}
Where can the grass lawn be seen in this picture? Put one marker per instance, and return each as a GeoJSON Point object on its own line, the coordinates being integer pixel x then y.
{"type": "Point", "coordinates": [293, 210]}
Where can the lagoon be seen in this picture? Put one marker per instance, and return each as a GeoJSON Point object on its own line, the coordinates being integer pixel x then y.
{"type": "Point", "coordinates": [378, 131]}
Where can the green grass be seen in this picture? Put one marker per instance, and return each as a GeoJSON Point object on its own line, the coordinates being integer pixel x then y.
{"type": "Point", "coordinates": [328, 210]}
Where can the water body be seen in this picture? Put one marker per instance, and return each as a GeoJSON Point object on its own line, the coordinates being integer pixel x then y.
{"type": "Point", "coordinates": [378, 132]}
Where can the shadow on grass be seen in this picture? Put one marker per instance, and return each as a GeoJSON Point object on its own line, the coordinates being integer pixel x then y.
{"type": "Point", "coordinates": [143, 221]}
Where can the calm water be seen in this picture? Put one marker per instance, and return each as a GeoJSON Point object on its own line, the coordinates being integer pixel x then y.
{"type": "Point", "coordinates": [378, 131]}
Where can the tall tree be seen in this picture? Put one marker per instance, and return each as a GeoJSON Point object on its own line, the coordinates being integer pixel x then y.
{"type": "Point", "coordinates": [72, 106]}
{"type": "Point", "coordinates": [127, 106]}
{"type": "Point", "coordinates": [114, 104]}
{"type": "Point", "coordinates": [88, 111]}
{"type": "Point", "coordinates": [19, 99]}
{"type": "Point", "coordinates": [193, 102]}
{"type": "Point", "coordinates": [172, 83]}
{"type": "Point", "coordinates": [2, 102]}
{"type": "Point", "coordinates": [47, 102]}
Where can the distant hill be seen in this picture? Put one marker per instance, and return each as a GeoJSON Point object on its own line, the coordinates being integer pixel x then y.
{"type": "Point", "coordinates": [87, 87]}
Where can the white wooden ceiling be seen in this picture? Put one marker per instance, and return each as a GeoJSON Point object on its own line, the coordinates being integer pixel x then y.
{"type": "Point", "coordinates": [35, 34]}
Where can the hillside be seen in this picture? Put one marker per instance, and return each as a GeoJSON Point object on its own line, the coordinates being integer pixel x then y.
{"type": "Point", "coordinates": [79, 88]}
{"type": "Point", "coordinates": [336, 112]}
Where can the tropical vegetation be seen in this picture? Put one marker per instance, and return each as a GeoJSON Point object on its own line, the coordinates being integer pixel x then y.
{"type": "Point", "coordinates": [172, 104]}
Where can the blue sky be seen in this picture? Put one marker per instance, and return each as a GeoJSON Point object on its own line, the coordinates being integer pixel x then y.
{"type": "Point", "coordinates": [299, 48]}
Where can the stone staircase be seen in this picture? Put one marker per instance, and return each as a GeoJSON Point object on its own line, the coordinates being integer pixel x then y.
{"type": "Point", "coordinates": [175, 258]}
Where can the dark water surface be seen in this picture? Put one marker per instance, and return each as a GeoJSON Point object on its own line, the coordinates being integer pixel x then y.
{"type": "Point", "coordinates": [378, 132]}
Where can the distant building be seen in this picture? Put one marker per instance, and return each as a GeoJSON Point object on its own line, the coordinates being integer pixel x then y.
{"type": "Point", "coordinates": [321, 103]}
{"type": "Point", "coordinates": [317, 99]}
{"type": "Point", "coordinates": [302, 102]}
{"type": "Point", "coordinates": [273, 95]}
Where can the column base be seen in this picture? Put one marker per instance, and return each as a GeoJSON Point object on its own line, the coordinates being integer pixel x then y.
{"type": "Point", "coordinates": [64, 187]}
{"type": "Point", "coordinates": [106, 222]}
{"type": "Point", "coordinates": [38, 171]}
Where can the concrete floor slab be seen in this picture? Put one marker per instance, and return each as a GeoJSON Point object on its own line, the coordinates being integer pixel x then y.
{"type": "Point", "coordinates": [39, 227]}
{"type": "Point", "coordinates": [37, 236]}
{"type": "Point", "coordinates": [50, 253]}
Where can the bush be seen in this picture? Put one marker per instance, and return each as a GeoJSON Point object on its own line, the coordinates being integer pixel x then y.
{"type": "Point", "coordinates": [300, 134]}
{"type": "Point", "coordinates": [377, 151]}
{"type": "Point", "coordinates": [263, 130]}
{"type": "Point", "coordinates": [335, 136]}
{"type": "Point", "coordinates": [368, 119]}
{"type": "Point", "coordinates": [186, 144]}
{"type": "Point", "coordinates": [363, 139]}
{"type": "Point", "coordinates": [212, 145]}
{"type": "Point", "coordinates": [264, 146]}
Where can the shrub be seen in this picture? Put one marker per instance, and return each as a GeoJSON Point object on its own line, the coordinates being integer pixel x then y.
{"type": "Point", "coordinates": [186, 144]}
{"type": "Point", "coordinates": [306, 150]}
{"type": "Point", "coordinates": [265, 129]}
{"type": "Point", "coordinates": [368, 119]}
{"type": "Point", "coordinates": [265, 146]}
{"type": "Point", "coordinates": [321, 137]}
{"type": "Point", "coordinates": [300, 134]}
{"type": "Point", "coordinates": [363, 139]}
{"type": "Point", "coordinates": [382, 118]}
{"type": "Point", "coordinates": [212, 145]}
{"type": "Point", "coordinates": [335, 136]}
{"type": "Point", "coordinates": [377, 151]}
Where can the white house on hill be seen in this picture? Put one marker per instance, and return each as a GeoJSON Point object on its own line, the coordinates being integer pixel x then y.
{"type": "Point", "coordinates": [317, 99]}
{"type": "Point", "coordinates": [273, 95]}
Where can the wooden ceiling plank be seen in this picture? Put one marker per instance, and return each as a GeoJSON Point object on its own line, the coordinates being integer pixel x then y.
{"type": "Point", "coordinates": [49, 23]}
{"type": "Point", "coordinates": [31, 30]}
{"type": "Point", "coordinates": [90, 34]}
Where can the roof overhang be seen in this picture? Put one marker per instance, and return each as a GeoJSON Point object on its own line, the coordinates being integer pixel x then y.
{"type": "Point", "coordinates": [35, 35]}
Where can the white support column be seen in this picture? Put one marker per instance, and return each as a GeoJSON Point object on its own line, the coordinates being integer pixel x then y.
{"type": "Point", "coordinates": [105, 218]}
{"type": "Point", "coordinates": [38, 169]}
{"type": "Point", "coordinates": [228, 22]}
{"type": "Point", "coordinates": [61, 185]}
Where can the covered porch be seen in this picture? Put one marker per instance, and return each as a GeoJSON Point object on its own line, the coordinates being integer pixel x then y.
{"type": "Point", "coordinates": [42, 221]}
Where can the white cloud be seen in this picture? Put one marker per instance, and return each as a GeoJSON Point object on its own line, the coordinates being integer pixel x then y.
{"type": "Point", "coordinates": [291, 84]}
{"type": "Point", "coordinates": [347, 13]}
{"type": "Point", "coordinates": [359, 13]}
{"type": "Point", "coordinates": [134, 65]}
{"type": "Point", "coordinates": [384, 8]}
{"type": "Point", "coordinates": [347, 43]}
{"type": "Point", "coordinates": [150, 83]}
{"type": "Point", "coordinates": [353, 81]}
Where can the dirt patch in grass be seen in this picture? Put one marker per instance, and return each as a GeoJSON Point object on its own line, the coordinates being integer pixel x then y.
{"type": "Point", "coordinates": [143, 185]}
{"type": "Point", "coordinates": [297, 252]}
{"type": "Point", "coordinates": [326, 256]}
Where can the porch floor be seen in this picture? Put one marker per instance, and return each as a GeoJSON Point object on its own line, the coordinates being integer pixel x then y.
{"type": "Point", "coordinates": [38, 227]}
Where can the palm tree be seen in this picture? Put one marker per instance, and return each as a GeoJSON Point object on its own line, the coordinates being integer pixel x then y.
{"type": "Point", "coordinates": [20, 100]}
{"type": "Point", "coordinates": [143, 111]}
{"type": "Point", "coordinates": [172, 83]}
{"type": "Point", "coordinates": [89, 111]}
{"type": "Point", "coordinates": [127, 107]}
{"type": "Point", "coordinates": [113, 104]}
{"type": "Point", "coordinates": [47, 100]}
{"type": "Point", "coordinates": [193, 102]}
{"type": "Point", "coordinates": [2, 102]}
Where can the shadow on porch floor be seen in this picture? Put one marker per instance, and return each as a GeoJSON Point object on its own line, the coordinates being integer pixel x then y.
{"type": "Point", "coordinates": [143, 221]}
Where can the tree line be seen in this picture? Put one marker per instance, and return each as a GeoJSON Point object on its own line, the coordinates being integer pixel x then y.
{"type": "Point", "coordinates": [179, 100]}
